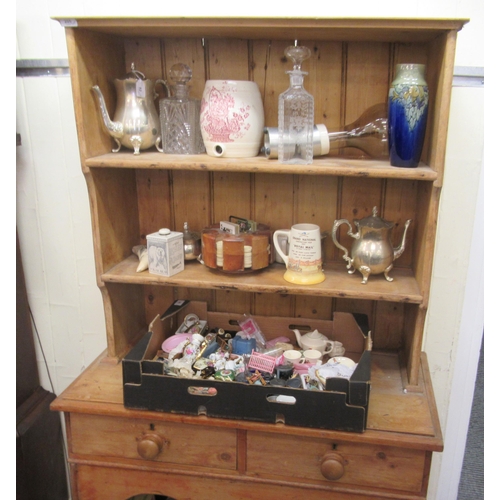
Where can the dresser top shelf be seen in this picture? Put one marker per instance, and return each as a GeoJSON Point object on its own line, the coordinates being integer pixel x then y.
{"type": "Point", "coordinates": [284, 28]}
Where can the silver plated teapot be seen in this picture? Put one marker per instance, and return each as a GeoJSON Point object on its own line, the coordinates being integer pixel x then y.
{"type": "Point", "coordinates": [136, 124]}
{"type": "Point", "coordinates": [372, 251]}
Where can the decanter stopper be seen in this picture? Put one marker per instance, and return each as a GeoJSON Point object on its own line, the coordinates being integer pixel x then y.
{"type": "Point", "coordinates": [180, 74]}
{"type": "Point", "coordinates": [297, 54]}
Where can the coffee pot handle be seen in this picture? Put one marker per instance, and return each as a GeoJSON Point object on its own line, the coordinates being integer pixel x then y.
{"type": "Point", "coordinates": [164, 84]}
{"type": "Point", "coordinates": [336, 225]}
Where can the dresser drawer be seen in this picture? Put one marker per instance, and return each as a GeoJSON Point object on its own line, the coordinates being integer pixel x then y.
{"type": "Point", "coordinates": [141, 439]}
{"type": "Point", "coordinates": [305, 459]}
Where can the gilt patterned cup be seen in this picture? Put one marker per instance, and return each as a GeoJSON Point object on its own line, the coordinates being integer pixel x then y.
{"type": "Point", "coordinates": [232, 118]}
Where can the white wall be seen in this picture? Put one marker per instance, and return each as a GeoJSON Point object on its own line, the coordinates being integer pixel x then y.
{"type": "Point", "coordinates": [53, 217]}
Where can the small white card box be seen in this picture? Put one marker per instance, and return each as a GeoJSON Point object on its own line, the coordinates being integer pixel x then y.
{"type": "Point", "coordinates": [165, 252]}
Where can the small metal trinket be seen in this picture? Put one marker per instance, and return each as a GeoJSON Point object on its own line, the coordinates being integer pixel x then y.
{"type": "Point", "coordinates": [192, 243]}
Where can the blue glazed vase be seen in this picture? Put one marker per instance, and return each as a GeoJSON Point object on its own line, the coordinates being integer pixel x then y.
{"type": "Point", "coordinates": [407, 115]}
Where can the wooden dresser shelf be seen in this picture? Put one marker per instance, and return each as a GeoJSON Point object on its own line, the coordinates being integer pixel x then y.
{"type": "Point", "coordinates": [327, 165]}
{"type": "Point", "coordinates": [254, 28]}
{"type": "Point", "coordinates": [338, 282]}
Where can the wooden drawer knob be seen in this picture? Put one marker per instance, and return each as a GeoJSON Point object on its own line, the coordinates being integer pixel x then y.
{"type": "Point", "coordinates": [332, 466]}
{"type": "Point", "coordinates": [150, 445]}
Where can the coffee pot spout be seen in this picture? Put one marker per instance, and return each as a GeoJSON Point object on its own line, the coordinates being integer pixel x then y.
{"type": "Point", "coordinates": [115, 129]}
{"type": "Point", "coordinates": [401, 248]}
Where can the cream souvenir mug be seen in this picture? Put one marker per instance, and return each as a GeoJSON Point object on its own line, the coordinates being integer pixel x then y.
{"type": "Point", "coordinates": [303, 263]}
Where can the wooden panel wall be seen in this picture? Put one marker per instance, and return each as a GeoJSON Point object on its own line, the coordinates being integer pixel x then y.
{"type": "Point", "coordinates": [345, 79]}
{"type": "Point", "coordinates": [116, 229]}
{"type": "Point", "coordinates": [91, 66]}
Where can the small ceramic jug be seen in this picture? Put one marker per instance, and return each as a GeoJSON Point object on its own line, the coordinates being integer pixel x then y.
{"type": "Point", "coordinates": [232, 118]}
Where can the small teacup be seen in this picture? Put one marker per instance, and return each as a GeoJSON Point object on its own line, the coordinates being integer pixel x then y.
{"type": "Point", "coordinates": [292, 356]}
{"type": "Point", "coordinates": [312, 356]}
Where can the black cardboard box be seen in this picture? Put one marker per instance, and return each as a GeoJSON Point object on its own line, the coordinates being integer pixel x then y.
{"type": "Point", "coordinates": [343, 405]}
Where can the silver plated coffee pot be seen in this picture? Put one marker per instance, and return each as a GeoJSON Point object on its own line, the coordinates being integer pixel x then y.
{"type": "Point", "coordinates": [372, 251]}
{"type": "Point", "coordinates": [135, 124]}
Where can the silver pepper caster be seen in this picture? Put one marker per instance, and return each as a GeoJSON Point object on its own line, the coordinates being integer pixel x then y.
{"type": "Point", "coordinates": [192, 243]}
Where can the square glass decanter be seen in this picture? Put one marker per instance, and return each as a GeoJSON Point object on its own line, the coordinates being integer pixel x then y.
{"type": "Point", "coordinates": [180, 116]}
{"type": "Point", "coordinates": [296, 114]}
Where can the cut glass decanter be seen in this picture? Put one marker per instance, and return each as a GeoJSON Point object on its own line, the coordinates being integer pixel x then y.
{"type": "Point", "coordinates": [296, 114]}
{"type": "Point", "coordinates": [180, 116]}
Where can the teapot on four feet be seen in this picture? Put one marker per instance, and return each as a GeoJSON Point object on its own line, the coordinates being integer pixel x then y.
{"type": "Point", "coordinates": [372, 251]}
{"type": "Point", "coordinates": [314, 340]}
{"type": "Point", "coordinates": [136, 124]}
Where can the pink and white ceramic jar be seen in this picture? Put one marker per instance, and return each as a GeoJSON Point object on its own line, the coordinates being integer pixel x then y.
{"type": "Point", "coordinates": [232, 118]}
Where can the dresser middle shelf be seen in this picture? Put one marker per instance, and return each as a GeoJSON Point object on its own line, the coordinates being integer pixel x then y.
{"type": "Point", "coordinates": [338, 282]}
